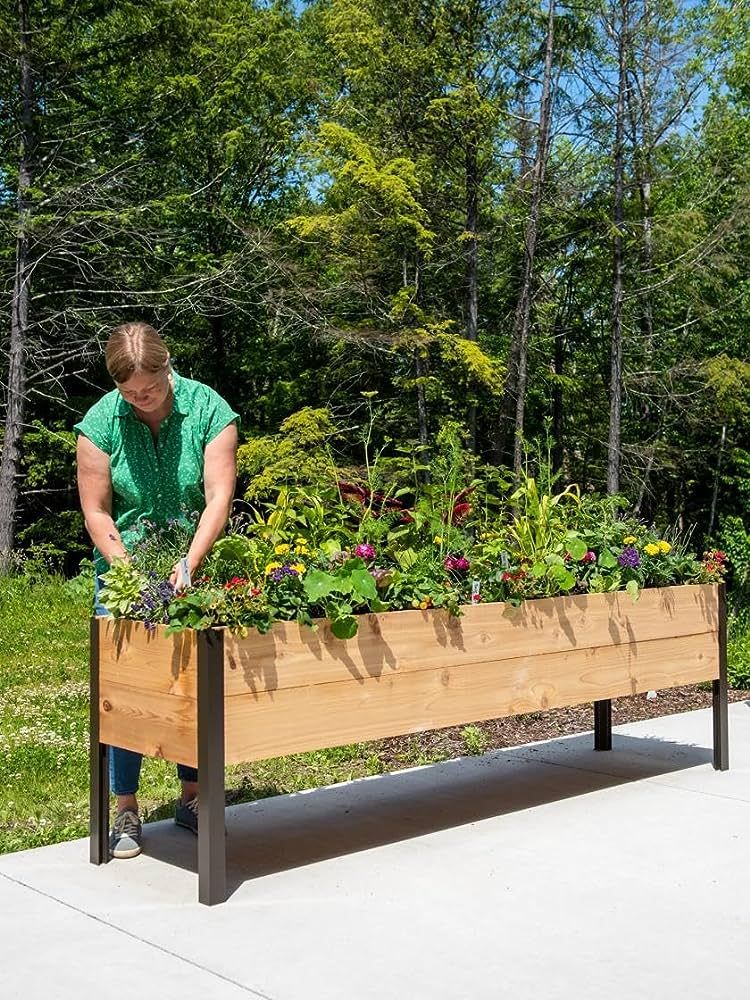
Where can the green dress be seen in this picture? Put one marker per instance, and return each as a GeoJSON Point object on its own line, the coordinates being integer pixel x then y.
{"type": "Point", "coordinates": [162, 480]}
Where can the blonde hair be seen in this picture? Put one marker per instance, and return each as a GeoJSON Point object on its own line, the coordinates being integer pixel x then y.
{"type": "Point", "coordinates": [135, 347]}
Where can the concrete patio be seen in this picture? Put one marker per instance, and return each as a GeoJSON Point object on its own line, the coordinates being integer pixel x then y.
{"type": "Point", "coordinates": [548, 871]}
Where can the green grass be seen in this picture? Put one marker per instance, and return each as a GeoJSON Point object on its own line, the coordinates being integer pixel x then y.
{"type": "Point", "coordinates": [44, 728]}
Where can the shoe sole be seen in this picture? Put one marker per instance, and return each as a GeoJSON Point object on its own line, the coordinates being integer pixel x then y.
{"type": "Point", "coordinates": [123, 855]}
{"type": "Point", "coordinates": [186, 826]}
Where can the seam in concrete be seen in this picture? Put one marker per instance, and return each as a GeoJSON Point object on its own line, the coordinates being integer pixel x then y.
{"type": "Point", "coordinates": [135, 937]}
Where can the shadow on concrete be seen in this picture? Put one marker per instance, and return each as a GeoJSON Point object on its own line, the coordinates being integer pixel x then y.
{"type": "Point", "coordinates": [290, 831]}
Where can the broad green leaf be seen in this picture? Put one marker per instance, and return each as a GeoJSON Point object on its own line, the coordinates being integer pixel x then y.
{"type": "Point", "coordinates": [607, 559]}
{"type": "Point", "coordinates": [576, 546]}
{"type": "Point", "coordinates": [562, 576]}
{"type": "Point", "coordinates": [364, 584]}
{"type": "Point", "coordinates": [406, 558]}
{"type": "Point", "coordinates": [344, 628]}
{"type": "Point", "coordinates": [318, 584]}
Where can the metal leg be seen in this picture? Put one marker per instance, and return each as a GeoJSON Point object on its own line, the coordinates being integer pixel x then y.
{"type": "Point", "coordinates": [98, 761]}
{"type": "Point", "coordinates": [603, 724]}
{"type": "Point", "coordinates": [721, 710]}
{"type": "Point", "coordinates": [212, 877]}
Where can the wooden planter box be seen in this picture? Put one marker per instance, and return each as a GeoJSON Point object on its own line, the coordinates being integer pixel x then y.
{"type": "Point", "coordinates": [210, 698]}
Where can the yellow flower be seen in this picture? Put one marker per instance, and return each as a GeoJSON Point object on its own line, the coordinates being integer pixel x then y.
{"type": "Point", "coordinates": [665, 547]}
{"type": "Point", "coordinates": [302, 550]}
{"type": "Point", "coordinates": [629, 539]}
{"type": "Point", "coordinates": [299, 568]}
{"type": "Point", "coordinates": [281, 550]}
{"type": "Point", "coordinates": [652, 550]}
{"type": "Point", "coordinates": [271, 567]}
{"type": "Point", "coordinates": [437, 540]}
{"type": "Point", "coordinates": [300, 541]}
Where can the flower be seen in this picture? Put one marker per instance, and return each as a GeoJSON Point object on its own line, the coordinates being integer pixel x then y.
{"type": "Point", "coordinates": [629, 540]}
{"type": "Point", "coordinates": [456, 563]}
{"type": "Point", "coordinates": [236, 581]}
{"type": "Point", "coordinates": [664, 547]}
{"type": "Point", "coordinates": [365, 551]}
{"type": "Point", "coordinates": [476, 598]}
{"type": "Point", "coordinates": [281, 550]}
{"type": "Point", "coordinates": [272, 567]}
{"type": "Point", "coordinates": [278, 574]}
{"type": "Point", "coordinates": [629, 558]}
{"type": "Point", "coordinates": [437, 540]}
{"type": "Point", "coordinates": [425, 603]}
{"type": "Point", "coordinates": [589, 557]}
{"type": "Point", "coordinates": [651, 549]}
{"type": "Point", "coordinates": [298, 567]}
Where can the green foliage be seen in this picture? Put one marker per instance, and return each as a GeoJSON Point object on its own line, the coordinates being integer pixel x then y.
{"type": "Point", "coordinates": [297, 456]}
{"type": "Point", "coordinates": [475, 740]}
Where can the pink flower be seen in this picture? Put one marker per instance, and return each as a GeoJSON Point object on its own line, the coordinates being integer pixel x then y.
{"type": "Point", "coordinates": [589, 557]}
{"type": "Point", "coordinates": [456, 563]}
{"type": "Point", "coordinates": [365, 551]}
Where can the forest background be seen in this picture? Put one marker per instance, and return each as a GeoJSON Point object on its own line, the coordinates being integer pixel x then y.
{"type": "Point", "coordinates": [528, 220]}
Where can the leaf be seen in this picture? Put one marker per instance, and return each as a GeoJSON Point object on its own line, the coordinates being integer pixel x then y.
{"type": "Point", "coordinates": [364, 584]}
{"type": "Point", "coordinates": [345, 627]}
{"type": "Point", "coordinates": [562, 576]}
{"type": "Point", "coordinates": [406, 558]}
{"type": "Point", "coordinates": [576, 546]}
{"type": "Point", "coordinates": [318, 584]}
{"type": "Point", "coordinates": [607, 559]}
{"type": "Point", "coordinates": [633, 589]}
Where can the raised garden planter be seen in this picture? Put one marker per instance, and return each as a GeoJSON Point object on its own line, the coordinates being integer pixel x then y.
{"type": "Point", "coordinates": [210, 698]}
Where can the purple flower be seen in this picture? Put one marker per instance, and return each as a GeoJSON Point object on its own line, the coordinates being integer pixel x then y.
{"type": "Point", "coordinates": [365, 551]}
{"type": "Point", "coordinates": [278, 574]}
{"type": "Point", "coordinates": [456, 563]}
{"type": "Point", "coordinates": [165, 591]}
{"type": "Point", "coordinates": [629, 558]}
{"type": "Point", "coordinates": [589, 557]}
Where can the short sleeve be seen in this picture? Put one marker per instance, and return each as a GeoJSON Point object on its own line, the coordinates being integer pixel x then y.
{"type": "Point", "coordinates": [96, 425]}
{"type": "Point", "coordinates": [218, 415]}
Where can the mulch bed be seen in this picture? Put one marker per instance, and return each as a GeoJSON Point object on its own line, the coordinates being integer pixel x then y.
{"type": "Point", "coordinates": [551, 724]}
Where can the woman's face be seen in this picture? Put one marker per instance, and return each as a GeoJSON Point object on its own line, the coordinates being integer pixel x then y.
{"type": "Point", "coordinates": [146, 391]}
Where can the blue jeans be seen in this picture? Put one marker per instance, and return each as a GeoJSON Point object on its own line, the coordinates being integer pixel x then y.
{"type": "Point", "coordinates": [125, 765]}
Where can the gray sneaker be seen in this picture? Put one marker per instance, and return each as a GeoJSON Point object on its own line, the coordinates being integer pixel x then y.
{"type": "Point", "coordinates": [125, 838]}
{"type": "Point", "coordinates": [186, 814]}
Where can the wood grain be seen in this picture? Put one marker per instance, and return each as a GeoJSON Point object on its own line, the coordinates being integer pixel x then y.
{"type": "Point", "coordinates": [398, 642]}
{"type": "Point", "coordinates": [153, 723]}
{"type": "Point", "coordinates": [291, 720]}
{"type": "Point", "coordinates": [149, 661]}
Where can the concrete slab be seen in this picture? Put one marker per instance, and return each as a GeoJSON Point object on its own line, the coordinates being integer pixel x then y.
{"type": "Point", "coordinates": [548, 871]}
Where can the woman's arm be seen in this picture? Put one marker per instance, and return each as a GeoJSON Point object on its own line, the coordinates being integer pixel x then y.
{"type": "Point", "coordinates": [219, 475]}
{"type": "Point", "coordinates": [95, 491]}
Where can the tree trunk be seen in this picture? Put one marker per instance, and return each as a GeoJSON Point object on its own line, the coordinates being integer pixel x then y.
{"type": "Point", "coordinates": [514, 398]}
{"type": "Point", "coordinates": [10, 460]}
{"type": "Point", "coordinates": [472, 278]}
{"type": "Point", "coordinates": [717, 475]}
{"type": "Point", "coordinates": [615, 399]}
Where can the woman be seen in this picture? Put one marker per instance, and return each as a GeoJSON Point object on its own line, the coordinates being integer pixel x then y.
{"type": "Point", "coordinates": [154, 447]}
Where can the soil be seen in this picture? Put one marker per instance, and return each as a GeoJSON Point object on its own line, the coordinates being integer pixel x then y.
{"type": "Point", "coordinates": [550, 724]}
